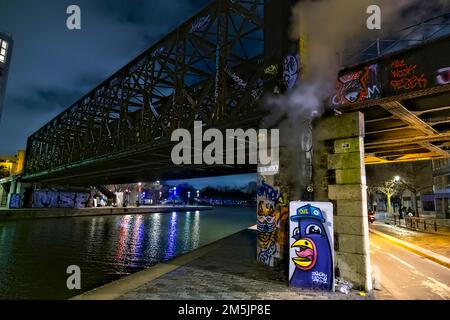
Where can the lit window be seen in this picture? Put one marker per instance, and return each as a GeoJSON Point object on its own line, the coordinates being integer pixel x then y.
{"type": "Point", "coordinates": [3, 50]}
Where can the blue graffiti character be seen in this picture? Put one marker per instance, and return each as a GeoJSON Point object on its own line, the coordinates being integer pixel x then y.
{"type": "Point", "coordinates": [313, 256]}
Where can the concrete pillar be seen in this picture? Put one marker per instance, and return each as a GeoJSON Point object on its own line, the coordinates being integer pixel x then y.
{"type": "Point", "coordinates": [12, 191]}
{"type": "Point", "coordinates": [339, 176]}
{"type": "Point", "coordinates": [438, 207]}
{"type": "Point", "coordinates": [445, 211]}
{"type": "Point", "coordinates": [2, 196]}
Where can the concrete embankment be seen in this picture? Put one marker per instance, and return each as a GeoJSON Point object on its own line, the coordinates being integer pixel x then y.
{"type": "Point", "coordinates": [18, 214]}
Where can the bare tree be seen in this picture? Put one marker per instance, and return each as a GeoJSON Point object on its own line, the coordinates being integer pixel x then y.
{"type": "Point", "coordinates": [389, 188]}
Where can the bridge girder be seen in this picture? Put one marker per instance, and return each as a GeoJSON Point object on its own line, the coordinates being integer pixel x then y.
{"type": "Point", "coordinates": [210, 68]}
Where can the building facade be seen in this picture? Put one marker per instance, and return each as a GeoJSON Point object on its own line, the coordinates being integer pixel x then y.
{"type": "Point", "coordinates": [11, 167]}
{"type": "Point", "coordinates": [6, 45]}
{"type": "Point", "coordinates": [441, 186]}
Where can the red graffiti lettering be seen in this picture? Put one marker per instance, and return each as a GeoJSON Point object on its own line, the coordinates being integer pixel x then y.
{"type": "Point", "coordinates": [398, 63]}
{"type": "Point", "coordinates": [410, 83]}
{"type": "Point", "coordinates": [404, 72]}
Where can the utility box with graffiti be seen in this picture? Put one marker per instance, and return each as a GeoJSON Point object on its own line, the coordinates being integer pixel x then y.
{"type": "Point", "coordinates": [311, 252]}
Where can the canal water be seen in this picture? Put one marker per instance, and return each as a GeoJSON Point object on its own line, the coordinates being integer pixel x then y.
{"type": "Point", "coordinates": [34, 254]}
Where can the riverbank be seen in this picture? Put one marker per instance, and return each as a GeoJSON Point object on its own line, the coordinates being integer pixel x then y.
{"type": "Point", "coordinates": [21, 214]}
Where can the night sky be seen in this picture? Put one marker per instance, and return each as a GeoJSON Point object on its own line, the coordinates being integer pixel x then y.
{"type": "Point", "coordinates": [52, 67]}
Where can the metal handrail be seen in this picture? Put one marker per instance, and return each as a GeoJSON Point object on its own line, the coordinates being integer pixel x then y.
{"type": "Point", "coordinates": [416, 33]}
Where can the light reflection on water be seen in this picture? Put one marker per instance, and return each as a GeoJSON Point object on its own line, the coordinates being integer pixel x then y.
{"type": "Point", "coordinates": [34, 254]}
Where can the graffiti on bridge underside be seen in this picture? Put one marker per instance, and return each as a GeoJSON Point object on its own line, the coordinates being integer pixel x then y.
{"type": "Point", "coordinates": [404, 76]}
{"type": "Point", "coordinates": [443, 76]}
{"type": "Point", "coordinates": [53, 199]}
{"type": "Point", "coordinates": [200, 23]}
{"type": "Point", "coordinates": [357, 86]}
{"type": "Point", "coordinates": [272, 213]}
{"type": "Point", "coordinates": [158, 52]}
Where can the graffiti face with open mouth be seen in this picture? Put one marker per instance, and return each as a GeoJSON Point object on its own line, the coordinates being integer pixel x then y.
{"type": "Point", "coordinates": [306, 252]}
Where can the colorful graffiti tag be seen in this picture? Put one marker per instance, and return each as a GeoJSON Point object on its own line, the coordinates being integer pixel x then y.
{"type": "Point", "coordinates": [272, 214]}
{"type": "Point", "coordinates": [443, 76]}
{"type": "Point", "coordinates": [311, 245]}
{"type": "Point", "coordinates": [291, 70]}
{"type": "Point", "coordinates": [52, 199]}
{"type": "Point", "coordinates": [271, 70]}
{"type": "Point", "coordinates": [14, 202]}
{"type": "Point", "coordinates": [357, 86]}
{"type": "Point", "coordinates": [404, 76]}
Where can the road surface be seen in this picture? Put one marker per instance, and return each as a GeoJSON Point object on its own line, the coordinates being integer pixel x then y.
{"type": "Point", "coordinates": [405, 275]}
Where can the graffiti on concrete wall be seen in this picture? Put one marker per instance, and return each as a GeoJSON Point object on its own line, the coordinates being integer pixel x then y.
{"type": "Point", "coordinates": [404, 76]}
{"type": "Point", "coordinates": [272, 214]}
{"type": "Point", "coordinates": [271, 70]}
{"type": "Point", "coordinates": [357, 86]}
{"type": "Point", "coordinates": [53, 199]}
{"type": "Point", "coordinates": [14, 202]}
{"type": "Point", "coordinates": [443, 76]}
{"type": "Point", "coordinates": [311, 245]}
{"type": "Point", "coordinates": [291, 70]}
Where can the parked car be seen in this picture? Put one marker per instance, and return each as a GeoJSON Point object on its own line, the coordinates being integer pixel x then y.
{"type": "Point", "coordinates": [371, 215]}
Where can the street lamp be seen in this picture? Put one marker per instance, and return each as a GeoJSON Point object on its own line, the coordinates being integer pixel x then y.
{"type": "Point", "coordinates": [198, 193]}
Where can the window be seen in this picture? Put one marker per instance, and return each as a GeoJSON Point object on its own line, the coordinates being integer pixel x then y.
{"type": "Point", "coordinates": [3, 50]}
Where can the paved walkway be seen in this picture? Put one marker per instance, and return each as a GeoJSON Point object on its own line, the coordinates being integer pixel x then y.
{"type": "Point", "coordinates": [229, 271]}
{"type": "Point", "coordinates": [438, 243]}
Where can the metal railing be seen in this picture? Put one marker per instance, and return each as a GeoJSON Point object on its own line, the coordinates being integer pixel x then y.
{"type": "Point", "coordinates": [416, 223]}
{"type": "Point", "coordinates": [426, 30]}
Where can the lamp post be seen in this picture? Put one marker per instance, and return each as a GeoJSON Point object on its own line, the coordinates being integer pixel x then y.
{"type": "Point", "coordinates": [139, 194]}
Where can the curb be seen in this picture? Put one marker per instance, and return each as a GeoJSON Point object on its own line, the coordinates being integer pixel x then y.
{"type": "Point", "coordinates": [440, 259]}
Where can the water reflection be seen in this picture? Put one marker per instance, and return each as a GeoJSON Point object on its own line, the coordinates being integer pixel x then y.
{"type": "Point", "coordinates": [123, 239]}
{"type": "Point", "coordinates": [196, 231]}
{"type": "Point", "coordinates": [172, 237]}
{"type": "Point", "coordinates": [34, 254]}
{"type": "Point", "coordinates": [154, 235]}
{"type": "Point", "coordinates": [187, 231]}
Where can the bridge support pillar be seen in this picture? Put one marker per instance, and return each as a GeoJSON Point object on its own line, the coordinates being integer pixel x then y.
{"type": "Point", "coordinates": [12, 191]}
{"type": "Point", "coordinates": [339, 176]}
{"type": "Point", "coordinates": [3, 195]}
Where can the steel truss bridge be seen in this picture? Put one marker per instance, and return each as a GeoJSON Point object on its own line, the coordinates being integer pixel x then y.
{"type": "Point", "coordinates": [212, 68]}
{"type": "Point", "coordinates": [208, 69]}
